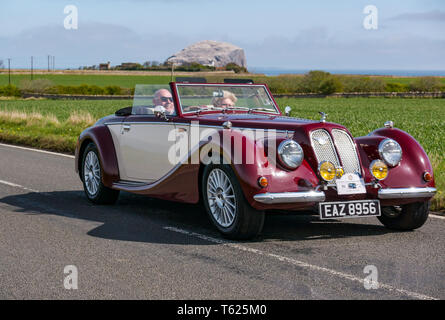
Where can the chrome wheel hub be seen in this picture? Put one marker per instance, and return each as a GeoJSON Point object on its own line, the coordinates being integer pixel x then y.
{"type": "Point", "coordinates": [91, 173]}
{"type": "Point", "coordinates": [221, 197]}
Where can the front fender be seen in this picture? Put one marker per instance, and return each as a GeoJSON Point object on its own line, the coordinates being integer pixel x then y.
{"type": "Point", "coordinates": [100, 135]}
{"type": "Point", "coordinates": [415, 162]}
{"type": "Point", "coordinates": [249, 160]}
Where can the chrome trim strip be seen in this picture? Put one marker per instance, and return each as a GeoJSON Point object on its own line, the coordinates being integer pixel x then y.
{"type": "Point", "coordinates": [290, 197]}
{"type": "Point", "coordinates": [406, 193]}
{"type": "Point", "coordinates": [242, 128]}
{"type": "Point", "coordinates": [197, 126]}
{"type": "Point", "coordinates": [136, 122]}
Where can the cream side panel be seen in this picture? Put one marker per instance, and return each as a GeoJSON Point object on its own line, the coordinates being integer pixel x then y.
{"type": "Point", "coordinates": [144, 151]}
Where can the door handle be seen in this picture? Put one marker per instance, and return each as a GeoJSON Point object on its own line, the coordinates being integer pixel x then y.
{"type": "Point", "coordinates": [125, 128]}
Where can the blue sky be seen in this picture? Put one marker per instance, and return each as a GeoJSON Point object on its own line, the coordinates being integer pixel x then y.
{"type": "Point", "coordinates": [282, 33]}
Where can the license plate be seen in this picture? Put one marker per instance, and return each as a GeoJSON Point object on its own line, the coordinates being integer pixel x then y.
{"type": "Point", "coordinates": [349, 209]}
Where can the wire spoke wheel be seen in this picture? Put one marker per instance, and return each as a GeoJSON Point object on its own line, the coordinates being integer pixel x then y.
{"type": "Point", "coordinates": [221, 198]}
{"type": "Point", "coordinates": [91, 173]}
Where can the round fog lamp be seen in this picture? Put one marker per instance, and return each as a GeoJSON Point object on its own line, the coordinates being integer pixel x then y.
{"type": "Point", "coordinates": [327, 170]}
{"type": "Point", "coordinates": [379, 169]}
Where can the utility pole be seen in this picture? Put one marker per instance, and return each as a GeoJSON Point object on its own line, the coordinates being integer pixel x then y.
{"type": "Point", "coordinates": [31, 66]}
{"type": "Point", "coordinates": [48, 62]}
{"type": "Point", "coordinates": [9, 71]}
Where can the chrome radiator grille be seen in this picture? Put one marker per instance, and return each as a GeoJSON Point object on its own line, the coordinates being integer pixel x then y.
{"type": "Point", "coordinates": [324, 149]}
{"type": "Point", "coordinates": [346, 148]}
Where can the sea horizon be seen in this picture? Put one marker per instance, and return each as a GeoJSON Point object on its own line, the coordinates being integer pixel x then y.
{"type": "Point", "coordinates": [371, 72]}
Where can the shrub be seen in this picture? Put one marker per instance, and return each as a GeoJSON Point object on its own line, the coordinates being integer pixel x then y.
{"type": "Point", "coordinates": [36, 86]}
{"type": "Point", "coordinates": [396, 87]}
{"type": "Point", "coordinates": [331, 85]}
{"type": "Point", "coordinates": [312, 80]}
{"type": "Point", "coordinates": [236, 68]}
{"type": "Point", "coordinates": [363, 84]}
{"type": "Point", "coordinates": [95, 90]}
{"type": "Point", "coordinates": [425, 84]}
{"type": "Point", "coordinates": [10, 91]}
{"type": "Point", "coordinates": [113, 90]}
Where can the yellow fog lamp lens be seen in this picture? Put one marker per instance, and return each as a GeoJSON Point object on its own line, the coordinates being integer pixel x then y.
{"type": "Point", "coordinates": [339, 172]}
{"type": "Point", "coordinates": [327, 170]}
{"type": "Point", "coordinates": [379, 169]}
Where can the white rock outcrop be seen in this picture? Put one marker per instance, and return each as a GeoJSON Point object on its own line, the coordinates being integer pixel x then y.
{"type": "Point", "coordinates": [212, 53]}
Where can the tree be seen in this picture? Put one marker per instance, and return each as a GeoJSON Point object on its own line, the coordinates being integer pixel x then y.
{"type": "Point", "coordinates": [330, 85]}
{"type": "Point", "coordinates": [1, 64]}
{"type": "Point", "coordinates": [313, 79]}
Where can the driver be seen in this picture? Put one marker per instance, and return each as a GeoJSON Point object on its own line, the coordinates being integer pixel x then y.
{"type": "Point", "coordinates": [164, 98]}
{"type": "Point", "coordinates": [226, 101]}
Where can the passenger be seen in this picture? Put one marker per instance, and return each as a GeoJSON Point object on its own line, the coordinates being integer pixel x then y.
{"type": "Point", "coordinates": [226, 101]}
{"type": "Point", "coordinates": [164, 98]}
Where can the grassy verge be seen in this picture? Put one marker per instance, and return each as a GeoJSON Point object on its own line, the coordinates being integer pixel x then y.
{"type": "Point", "coordinates": [51, 125]}
{"type": "Point", "coordinates": [55, 125]}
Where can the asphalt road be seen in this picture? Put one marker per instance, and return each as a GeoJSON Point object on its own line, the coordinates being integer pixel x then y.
{"type": "Point", "coordinates": [143, 248]}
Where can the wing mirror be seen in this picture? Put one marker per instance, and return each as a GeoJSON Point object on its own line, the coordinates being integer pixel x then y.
{"type": "Point", "coordinates": [287, 111]}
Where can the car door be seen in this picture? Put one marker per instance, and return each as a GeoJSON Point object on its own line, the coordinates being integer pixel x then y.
{"type": "Point", "coordinates": [145, 143]}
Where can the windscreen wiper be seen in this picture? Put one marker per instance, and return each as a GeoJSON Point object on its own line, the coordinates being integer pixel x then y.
{"type": "Point", "coordinates": [237, 108]}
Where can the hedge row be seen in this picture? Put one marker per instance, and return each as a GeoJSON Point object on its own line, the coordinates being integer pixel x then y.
{"type": "Point", "coordinates": [312, 82]}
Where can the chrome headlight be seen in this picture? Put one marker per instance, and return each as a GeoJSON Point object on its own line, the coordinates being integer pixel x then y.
{"type": "Point", "coordinates": [390, 151]}
{"type": "Point", "coordinates": [290, 154]}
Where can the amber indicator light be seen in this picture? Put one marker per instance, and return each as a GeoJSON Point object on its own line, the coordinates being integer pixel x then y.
{"type": "Point", "coordinates": [263, 182]}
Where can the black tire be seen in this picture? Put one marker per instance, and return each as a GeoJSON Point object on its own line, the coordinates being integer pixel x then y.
{"type": "Point", "coordinates": [103, 194]}
{"type": "Point", "coordinates": [407, 217]}
{"type": "Point", "coordinates": [247, 222]}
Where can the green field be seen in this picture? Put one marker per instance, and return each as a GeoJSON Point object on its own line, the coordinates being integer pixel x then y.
{"type": "Point", "coordinates": [129, 81]}
{"type": "Point", "coordinates": [424, 119]}
{"type": "Point", "coordinates": [124, 81]}
{"type": "Point", "coordinates": [404, 80]}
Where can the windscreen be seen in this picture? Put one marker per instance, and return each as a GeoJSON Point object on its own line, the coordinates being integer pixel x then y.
{"type": "Point", "coordinates": [148, 98]}
{"type": "Point", "coordinates": [204, 97]}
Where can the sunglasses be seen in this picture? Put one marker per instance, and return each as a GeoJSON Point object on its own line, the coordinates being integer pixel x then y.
{"type": "Point", "coordinates": [166, 99]}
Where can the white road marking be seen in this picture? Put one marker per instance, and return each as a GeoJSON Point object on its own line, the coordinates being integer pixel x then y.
{"type": "Point", "coordinates": [37, 150]}
{"type": "Point", "coordinates": [298, 263]}
{"type": "Point", "coordinates": [17, 186]}
{"type": "Point", "coordinates": [436, 216]}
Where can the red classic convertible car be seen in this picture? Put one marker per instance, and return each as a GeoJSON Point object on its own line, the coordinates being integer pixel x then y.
{"type": "Point", "coordinates": [229, 146]}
